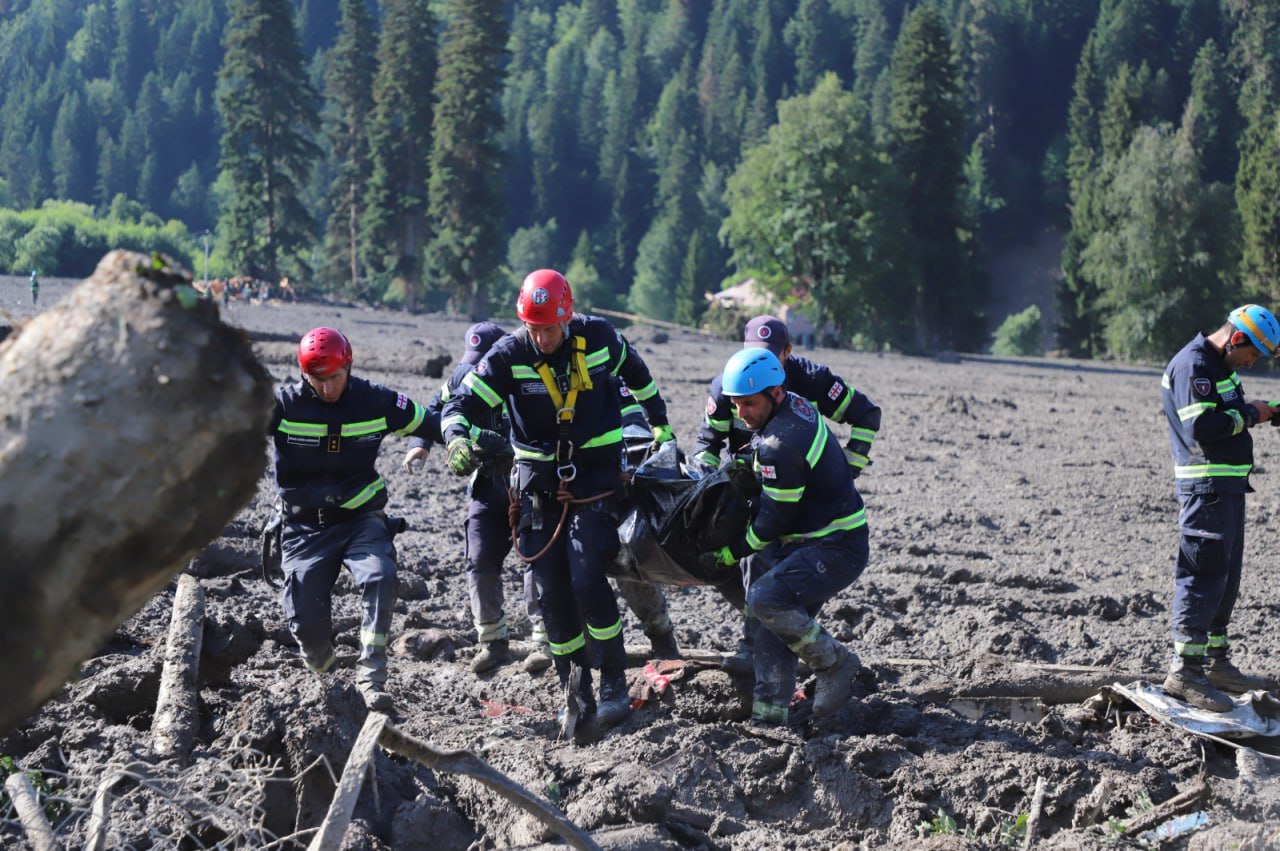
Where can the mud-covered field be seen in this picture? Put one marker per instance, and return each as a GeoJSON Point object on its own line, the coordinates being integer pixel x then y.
{"type": "Point", "coordinates": [1022, 523]}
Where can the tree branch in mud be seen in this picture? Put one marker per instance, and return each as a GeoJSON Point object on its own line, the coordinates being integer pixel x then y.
{"type": "Point", "coordinates": [131, 431]}
{"type": "Point", "coordinates": [1183, 802]}
{"type": "Point", "coordinates": [467, 763]}
{"type": "Point", "coordinates": [177, 711]}
{"type": "Point", "coordinates": [23, 795]}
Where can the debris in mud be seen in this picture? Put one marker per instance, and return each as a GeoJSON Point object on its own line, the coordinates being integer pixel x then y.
{"type": "Point", "coordinates": [1026, 591]}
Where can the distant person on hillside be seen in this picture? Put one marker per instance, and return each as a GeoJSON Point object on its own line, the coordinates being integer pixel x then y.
{"type": "Point", "coordinates": [1209, 421]}
{"type": "Point", "coordinates": [808, 533]}
{"type": "Point", "coordinates": [35, 287]}
{"type": "Point", "coordinates": [327, 429]}
{"type": "Point", "coordinates": [834, 397]}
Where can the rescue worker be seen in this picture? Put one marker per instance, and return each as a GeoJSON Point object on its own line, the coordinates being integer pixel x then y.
{"type": "Point", "coordinates": [488, 532]}
{"type": "Point", "coordinates": [1209, 421]}
{"type": "Point", "coordinates": [35, 287]}
{"type": "Point", "coordinates": [326, 430]}
{"type": "Point", "coordinates": [835, 399]}
{"type": "Point", "coordinates": [810, 507]}
{"type": "Point", "coordinates": [488, 536]}
{"type": "Point", "coordinates": [555, 375]}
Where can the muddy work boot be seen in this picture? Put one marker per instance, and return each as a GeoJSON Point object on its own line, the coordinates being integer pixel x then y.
{"type": "Point", "coordinates": [539, 659]}
{"type": "Point", "coordinates": [1224, 675]}
{"type": "Point", "coordinates": [615, 701]}
{"type": "Point", "coordinates": [740, 662]}
{"type": "Point", "coordinates": [1187, 681]}
{"type": "Point", "coordinates": [662, 645]}
{"type": "Point", "coordinates": [491, 655]}
{"type": "Point", "coordinates": [375, 696]}
{"type": "Point", "coordinates": [835, 683]}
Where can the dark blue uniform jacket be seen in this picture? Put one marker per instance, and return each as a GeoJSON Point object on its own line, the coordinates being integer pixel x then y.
{"type": "Point", "coordinates": [325, 454]}
{"type": "Point", "coordinates": [1209, 421]}
{"type": "Point", "coordinates": [807, 490]}
{"type": "Point", "coordinates": [508, 374]}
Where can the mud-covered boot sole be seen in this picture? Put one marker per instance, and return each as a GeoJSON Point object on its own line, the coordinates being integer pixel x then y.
{"type": "Point", "coordinates": [1199, 693]}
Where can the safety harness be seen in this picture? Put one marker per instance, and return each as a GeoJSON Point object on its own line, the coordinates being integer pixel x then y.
{"type": "Point", "coordinates": [565, 401]}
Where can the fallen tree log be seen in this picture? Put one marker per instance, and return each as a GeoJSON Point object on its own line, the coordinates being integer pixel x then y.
{"type": "Point", "coordinates": [132, 423]}
{"type": "Point", "coordinates": [177, 717]}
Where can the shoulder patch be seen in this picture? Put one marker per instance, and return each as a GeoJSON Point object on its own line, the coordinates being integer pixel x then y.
{"type": "Point", "coordinates": [767, 471]}
{"type": "Point", "coordinates": [482, 368]}
{"type": "Point", "coordinates": [624, 390]}
{"type": "Point", "coordinates": [402, 401]}
{"type": "Point", "coordinates": [804, 410]}
{"type": "Point", "coordinates": [711, 406]}
{"type": "Point", "coordinates": [835, 391]}
{"type": "Point", "coordinates": [1203, 386]}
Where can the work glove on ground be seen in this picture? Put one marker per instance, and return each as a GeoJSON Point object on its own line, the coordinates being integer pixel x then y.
{"type": "Point", "coordinates": [463, 456]}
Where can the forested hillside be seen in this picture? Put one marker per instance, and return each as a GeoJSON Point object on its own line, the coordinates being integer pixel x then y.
{"type": "Point", "coordinates": [869, 158]}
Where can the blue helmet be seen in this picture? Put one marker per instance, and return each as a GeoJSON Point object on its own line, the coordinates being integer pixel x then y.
{"type": "Point", "coordinates": [1257, 323]}
{"type": "Point", "coordinates": [750, 371]}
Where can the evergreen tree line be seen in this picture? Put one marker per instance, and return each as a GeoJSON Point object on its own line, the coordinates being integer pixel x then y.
{"type": "Point", "coordinates": [864, 157]}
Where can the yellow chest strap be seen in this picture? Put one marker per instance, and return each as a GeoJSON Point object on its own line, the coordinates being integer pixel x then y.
{"type": "Point", "coordinates": [579, 379]}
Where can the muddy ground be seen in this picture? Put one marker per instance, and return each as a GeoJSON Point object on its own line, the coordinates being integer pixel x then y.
{"type": "Point", "coordinates": [1022, 523]}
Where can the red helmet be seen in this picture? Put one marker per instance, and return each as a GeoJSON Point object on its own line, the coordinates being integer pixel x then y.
{"type": "Point", "coordinates": [323, 351]}
{"type": "Point", "coordinates": [545, 298]}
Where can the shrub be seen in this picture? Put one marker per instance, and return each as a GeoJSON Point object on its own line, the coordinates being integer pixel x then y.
{"type": "Point", "coordinates": [1022, 334]}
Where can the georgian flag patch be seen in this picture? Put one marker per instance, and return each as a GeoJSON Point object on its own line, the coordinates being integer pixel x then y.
{"type": "Point", "coordinates": [402, 401]}
{"type": "Point", "coordinates": [711, 406]}
{"type": "Point", "coordinates": [1203, 386]}
{"type": "Point", "coordinates": [835, 391]}
{"type": "Point", "coordinates": [768, 471]}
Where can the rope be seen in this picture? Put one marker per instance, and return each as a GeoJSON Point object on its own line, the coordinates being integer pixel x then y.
{"type": "Point", "coordinates": [565, 498]}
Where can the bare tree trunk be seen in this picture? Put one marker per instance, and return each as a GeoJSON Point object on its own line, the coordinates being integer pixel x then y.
{"type": "Point", "coordinates": [177, 716]}
{"type": "Point", "coordinates": [132, 423]}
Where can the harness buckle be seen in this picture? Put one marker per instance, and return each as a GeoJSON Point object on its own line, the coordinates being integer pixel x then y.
{"type": "Point", "coordinates": [567, 472]}
{"type": "Point", "coordinates": [561, 412]}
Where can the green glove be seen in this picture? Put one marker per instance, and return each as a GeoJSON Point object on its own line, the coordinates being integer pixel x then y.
{"type": "Point", "coordinates": [662, 434]}
{"type": "Point", "coordinates": [715, 562]}
{"type": "Point", "coordinates": [462, 456]}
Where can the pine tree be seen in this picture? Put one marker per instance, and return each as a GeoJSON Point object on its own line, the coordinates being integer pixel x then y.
{"type": "Point", "coordinates": [268, 111]}
{"type": "Point", "coordinates": [72, 150]}
{"type": "Point", "coordinates": [400, 138]}
{"type": "Point", "coordinates": [1209, 119]}
{"type": "Point", "coordinates": [927, 150]}
{"type": "Point", "coordinates": [464, 198]}
{"type": "Point", "coordinates": [349, 92]}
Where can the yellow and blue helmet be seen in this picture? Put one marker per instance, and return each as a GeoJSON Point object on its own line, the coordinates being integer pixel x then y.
{"type": "Point", "coordinates": [1259, 325]}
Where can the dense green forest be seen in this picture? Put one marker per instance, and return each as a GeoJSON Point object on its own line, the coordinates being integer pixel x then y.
{"type": "Point", "coordinates": [866, 158]}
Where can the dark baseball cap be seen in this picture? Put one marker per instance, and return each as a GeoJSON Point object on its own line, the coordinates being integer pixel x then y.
{"type": "Point", "coordinates": [768, 332]}
{"type": "Point", "coordinates": [480, 337]}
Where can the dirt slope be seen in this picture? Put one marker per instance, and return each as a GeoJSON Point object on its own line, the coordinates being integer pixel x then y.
{"type": "Point", "coordinates": [1022, 528]}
